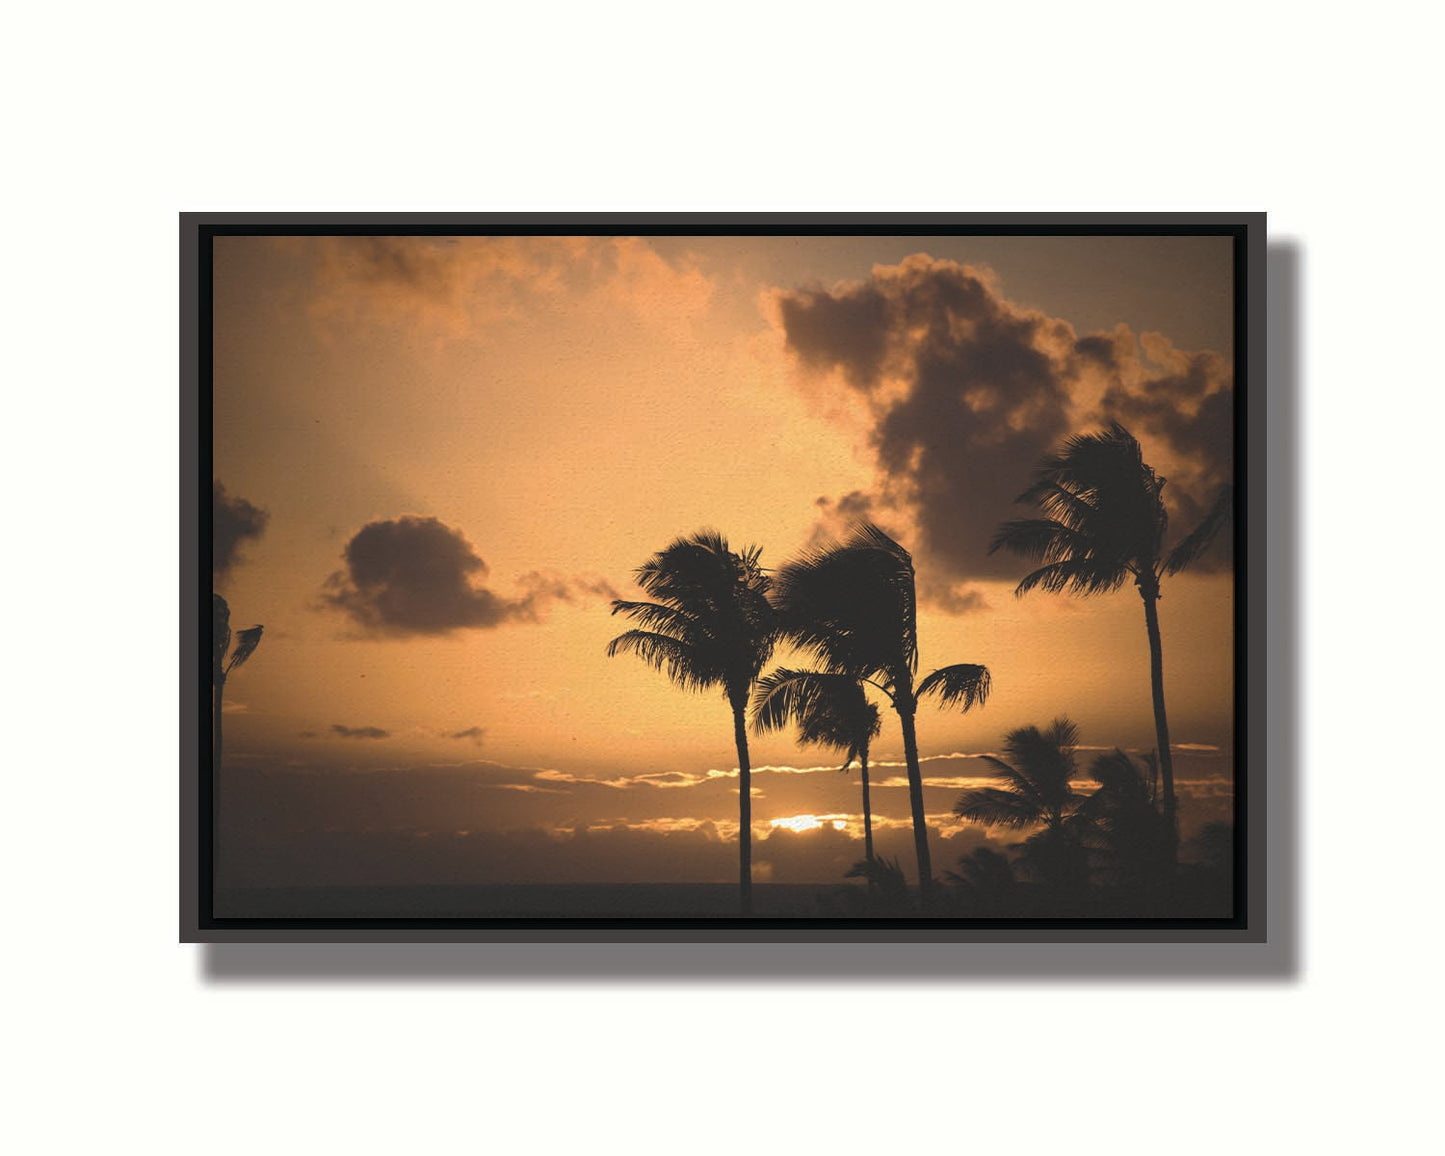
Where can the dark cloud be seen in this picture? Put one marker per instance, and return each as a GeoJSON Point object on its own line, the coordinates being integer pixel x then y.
{"type": "Point", "coordinates": [417, 576]}
{"type": "Point", "coordinates": [475, 734]}
{"type": "Point", "coordinates": [426, 266]}
{"type": "Point", "coordinates": [1191, 409]}
{"type": "Point", "coordinates": [359, 732]}
{"type": "Point", "coordinates": [233, 521]}
{"type": "Point", "coordinates": [968, 391]}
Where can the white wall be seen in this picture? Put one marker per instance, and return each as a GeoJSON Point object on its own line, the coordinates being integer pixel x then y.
{"type": "Point", "coordinates": [121, 116]}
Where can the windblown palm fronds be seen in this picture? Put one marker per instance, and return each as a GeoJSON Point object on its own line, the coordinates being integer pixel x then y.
{"type": "Point", "coordinates": [829, 710]}
{"type": "Point", "coordinates": [223, 661]}
{"type": "Point", "coordinates": [1104, 522]}
{"type": "Point", "coordinates": [710, 626]}
{"type": "Point", "coordinates": [852, 607]}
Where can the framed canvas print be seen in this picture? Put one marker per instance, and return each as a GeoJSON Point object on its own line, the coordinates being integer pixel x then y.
{"type": "Point", "coordinates": [721, 575]}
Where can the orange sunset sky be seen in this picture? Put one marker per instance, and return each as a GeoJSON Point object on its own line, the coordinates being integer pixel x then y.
{"type": "Point", "coordinates": [440, 458]}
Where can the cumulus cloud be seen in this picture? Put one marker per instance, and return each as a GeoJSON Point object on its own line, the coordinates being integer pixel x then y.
{"type": "Point", "coordinates": [967, 390]}
{"type": "Point", "coordinates": [359, 732]}
{"type": "Point", "coordinates": [234, 521]}
{"type": "Point", "coordinates": [418, 576]}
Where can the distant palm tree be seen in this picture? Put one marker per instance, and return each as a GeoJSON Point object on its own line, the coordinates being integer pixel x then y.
{"type": "Point", "coordinates": [1104, 523]}
{"type": "Point", "coordinates": [1037, 780]}
{"type": "Point", "coordinates": [711, 625]}
{"type": "Point", "coordinates": [987, 877]}
{"type": "Point", "coordinates": [1037, 789]}
{"type": "Point", "coordinates": [883, 876]}
{"type": "Point", "coordinates": [852, 606]}
{"type": "Point", "coordinates": [831, 710]}
{"type": "Point", "coordinates": [222, 665]}
{"type": "Point", "coordinates": [1130, 835]}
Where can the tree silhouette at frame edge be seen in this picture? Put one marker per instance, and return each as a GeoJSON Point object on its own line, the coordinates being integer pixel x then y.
{"type": "Point", "coordinates": [1104, 522]}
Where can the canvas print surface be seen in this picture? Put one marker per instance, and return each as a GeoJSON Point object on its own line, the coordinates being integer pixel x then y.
{"type": "Point", "coordinates": [812, 577]}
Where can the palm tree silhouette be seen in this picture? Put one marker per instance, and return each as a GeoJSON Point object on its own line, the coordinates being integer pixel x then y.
{"type": "Point", "coordinates": [1037, 789]}
{"type": "Point", "coordinates": [1129, 833]}
{"type": "Point", "coordinates": [221, 665]}
{"type": "Point", "coordinates": [1104, 522]}
{"type": "Point", "coordinates": [883, 876]}
{"type": "Point", "coordinates": [852, 606]}
{"type": "Point", "coordinates": [1037, 780]}
{"type": "Point", "coordinates": [831, 710]}
{"type": "Point", "coordinates": [987, 877]}
{"type": "Point", "coordinates": [711, 625]}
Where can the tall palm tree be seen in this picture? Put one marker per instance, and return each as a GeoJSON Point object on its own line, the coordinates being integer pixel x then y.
{"type": "Point", "coordinates": [831, 710]}
{"type": "Point", "coordinates": [852, 606]}
{"type": "Point", "coordinates": [222, 662]}
{"type": "Point", "coordinates": [710, 626]}
{"type": "Point", "coordinates": [1104, 523]}
{"type": "Point", "coordinates": [1037, 789]}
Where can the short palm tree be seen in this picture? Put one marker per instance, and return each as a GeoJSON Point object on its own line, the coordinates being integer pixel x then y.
{"type": "Point", "coordinates": [830, 710]}
{"type": "Point", "coordinates": [710, 626]}
{"type": "Point", "coordinates": [1037, 790]}
{"type": "Point", "coordinates": [1037, 780]}
{"type": "Point", "coordinates": [852, 607]}
{"type": "Point", "coordinates": [987, 877]}
{"type": "Point", "coordinates": [1129, 834]}
{"type": "Point", "coordinates": [1104, 523]}
{"type": "Point", "coordinates": [223, 661]}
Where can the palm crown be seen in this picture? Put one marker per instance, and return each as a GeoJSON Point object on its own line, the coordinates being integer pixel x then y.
{"type": "Point", "coordinates": [711, 624]}
{"type": "Point", "coordinates": [1105, 519]}
{"type": "Point", "coordinates": [1037, 780]}
{"type": "Point", "coordinates": [830, 710]}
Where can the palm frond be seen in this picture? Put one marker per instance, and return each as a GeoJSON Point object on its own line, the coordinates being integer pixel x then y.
{"type": "Point", "coordinates": [1040, 539]}
{"type": "Point", "coordinates": [830, 710]}
{"type": "Point", "coordinates": [665, 619]}
{"type": "Point", "coordinates": [852, 606]}
{"type": "Point", "coordinates": [1037, 778]}
{"type": "Point", "coordinates": [1200, 538]}
{"type": "Point", "coordinates": [984, 870]}
{"type": "Point", "coordinates": [885, 874]}
{"type": "Point", "coordinates": [1104, 516]}
{"type": "Point", "coordinates": [220, 635]}
{"type": "Point", "coordinates": [1115, 771]}
{"type": "Point", "coordinates": [962, 685]}
{"type": "Point", "coordinates": [246, 642]}
{"type": "Point", "coordinates": [1062, 505]}
{"type": "Point", "coordinates": [1078, 575]}
{"type": "Point", "coordinates": [681, 662]}
{"type": "Point", "coordinates": [995, 808]}
{"type": "Point", "coordinates": [711, 622]}
{"type": "Point", "coordinates": [1018, 783]}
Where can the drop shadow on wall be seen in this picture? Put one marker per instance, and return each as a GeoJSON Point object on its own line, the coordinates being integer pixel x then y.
{"type": "Point", "coordinates": [664, 962]}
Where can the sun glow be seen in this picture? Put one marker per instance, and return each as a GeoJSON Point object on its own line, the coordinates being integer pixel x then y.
{"type": "Point", "coordinates": [811, 822]}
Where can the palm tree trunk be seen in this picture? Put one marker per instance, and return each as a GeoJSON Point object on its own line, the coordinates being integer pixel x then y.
{"type": "Point", "coordinates": [867, 814]}
{"type": "Point", "coordinates": [903, 703]}
{"type": "Point", "coordinates": [218, 685]}
{"type": "Point", "coordinates": [745, 811]}
{"type": "Point", "coordinates": [1161, 721]}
